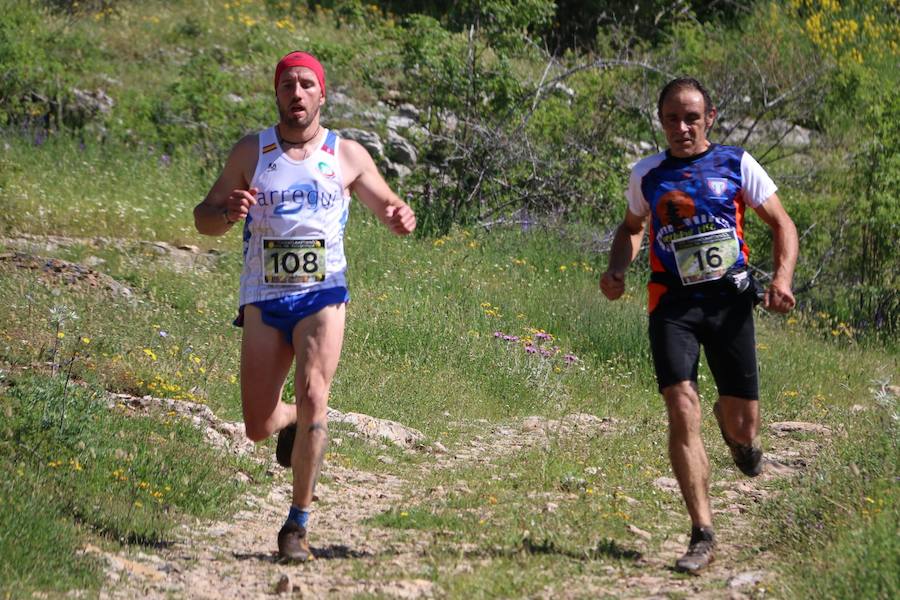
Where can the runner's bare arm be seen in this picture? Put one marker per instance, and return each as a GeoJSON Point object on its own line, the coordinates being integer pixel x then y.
{"type": "Point", "coordinates": [363, 179]}
{"type": "Point", "coordinates": [785, 247]}
{"type": "Point", "coordinates": [229, 199]}
{"type": "Point", "coordinates": [625, 247]}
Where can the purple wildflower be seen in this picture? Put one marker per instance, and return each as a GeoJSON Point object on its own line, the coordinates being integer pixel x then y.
{"type": "Point", "coordinates": [570, 358]}
{"type": "Point", "coordinates": [498, 334]}
{"type": "Point", "coordinates": [542, 336]}
{"type": "Point", "coordinates": [530, 349]}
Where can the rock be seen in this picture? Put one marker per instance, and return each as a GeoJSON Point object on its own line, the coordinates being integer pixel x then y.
{"type": "Point", "coordinates": [744, 579]}
{"type": "Point", "coordinates": [563, 89]}
{"type": "Point", "coordinates": [667, 484]}
{"type": "Point", "coordinates": [396, 170]}
{"type": "Point", "coordinates": [87, 103]}
{"type": "Point", "coordinates": [639, 532]}
{"type": "Point", "coordinates": [94, 261]}
{"type": "Point", "coordinates": [386, 460]}
{"type": "Point", "coordinates": [400, 150]}
{"type": "Point", "coordinates": [766, 132]}
{"type": "Point", "coordinates": [336, 98]}
{"type": "Point", "coordinates": [408, 110]}
{"type": "Point", "coordinates": [62, 272]}
{"type": "Point", "coordinates": [181, 258]}
{"type": "Point", "coordinates": [439, 448]}
{"type": "Point", "coordinates": [283, 586]}
{"type": "Point", "coordinates": [395, 122]}
{"type": "Point", "coordinates": [405, 589]}
{"type": "Point", "coordinates": [370, 140]}
{"type": "Point", "coordinates": [786, 427]}
{"type": "Point", "coordinates": [375, 428]}
{"type": "Point", "coordinates": [551, 507]}
{"type": "Point", "coordinates": [449, 122]}
{"type": "Point", "coordinates": [533, 423]}
{"type": "Point", "coordinates": [571, 484]}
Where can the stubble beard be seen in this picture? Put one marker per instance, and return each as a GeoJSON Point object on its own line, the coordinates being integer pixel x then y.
{"type": "Point", "coordinates": [289, 121]}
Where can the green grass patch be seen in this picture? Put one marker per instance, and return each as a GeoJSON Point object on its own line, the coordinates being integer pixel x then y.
{"type": "Point", "coordinates": [837, 527]}
{"type": "Point", "coordinates": [79, 470]}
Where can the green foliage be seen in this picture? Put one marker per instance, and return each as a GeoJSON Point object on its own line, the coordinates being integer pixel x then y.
{"type": "Point", "coordinates": [203, 108]}
{"type": "Point", "coordinates": [837, 526]}
{"type": "Point", "coordinates": [41, 59]}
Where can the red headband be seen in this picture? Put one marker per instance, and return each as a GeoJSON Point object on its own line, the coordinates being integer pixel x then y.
{"type": "Point", "coordinates": [301, 59]}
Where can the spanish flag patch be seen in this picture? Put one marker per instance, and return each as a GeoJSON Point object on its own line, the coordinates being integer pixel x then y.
{"type": "Point", "coordinates": [269, 148]}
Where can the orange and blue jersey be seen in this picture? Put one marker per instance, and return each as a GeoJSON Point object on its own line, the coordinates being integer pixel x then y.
{"type": "Point", "coordinates": [686, 197]}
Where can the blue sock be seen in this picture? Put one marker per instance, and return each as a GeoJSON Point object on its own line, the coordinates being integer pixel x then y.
{"type": "Point", "coordinates": [299, 516]}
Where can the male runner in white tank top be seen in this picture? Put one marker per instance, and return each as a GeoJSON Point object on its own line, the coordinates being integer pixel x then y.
{"type": "Point", "coordinates": [290, 185]}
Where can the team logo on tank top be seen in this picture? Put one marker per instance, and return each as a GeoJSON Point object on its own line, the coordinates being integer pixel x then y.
{"type": "Point", "coordinates": [717, 186]}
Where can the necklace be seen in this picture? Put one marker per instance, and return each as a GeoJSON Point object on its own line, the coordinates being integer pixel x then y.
{"type": "Point", "coordinates": [306, 141]}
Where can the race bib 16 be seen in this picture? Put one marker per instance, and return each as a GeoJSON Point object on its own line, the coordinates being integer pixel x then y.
{"type": "Point", "coordinates": [705, 256]}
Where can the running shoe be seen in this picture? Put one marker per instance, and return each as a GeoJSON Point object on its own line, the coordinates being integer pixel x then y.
{"type": "Point", "coordinates": [747, 457]}
{"type": "Point", "coordinates": [285, 445]}
{"type": "Point", "coordinates": [699, 553]}
{"type": "Point", "coordinates": [292, 543]}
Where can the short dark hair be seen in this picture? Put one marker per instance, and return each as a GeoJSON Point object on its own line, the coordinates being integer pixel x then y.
{"type": "Point", "coordinates": [684, 83]}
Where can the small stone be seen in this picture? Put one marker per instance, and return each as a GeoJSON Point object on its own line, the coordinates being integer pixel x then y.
{"type": "Point", "coordinates": [439, 448]}
{"type": "Point", "coordinates": [639, 532]}
{"type": "Point", "coordinates": [786, 427]}
{"type": "Point", "coordinates": [668, 484]}
{"type": "Point", "coordinates": [386, 460]}
{"type": "Point", "coordinates": [744, 579]}
{"type": "Point", "coordinates": [551, 507]}
{"type": "Point", "coordinates": [284, 584]}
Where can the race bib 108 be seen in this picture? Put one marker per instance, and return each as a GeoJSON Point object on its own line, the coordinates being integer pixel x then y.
{"type": "Point", "coordinates": [705, 256]}
{"type": "Point", "coordinates": [293, 261]}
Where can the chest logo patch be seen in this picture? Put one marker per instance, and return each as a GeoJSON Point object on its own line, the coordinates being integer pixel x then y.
{"type": "Point", "coordinates": [717, 186]}
{"type": "Point", "coordinates": [326, 169]}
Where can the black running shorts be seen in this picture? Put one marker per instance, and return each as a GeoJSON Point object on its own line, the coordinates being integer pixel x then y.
{"type": "Point", "coordinates": [723, 325]}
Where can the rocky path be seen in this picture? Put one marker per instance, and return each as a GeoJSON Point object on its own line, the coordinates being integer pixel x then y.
{"type": "Point", "coordinates": [236, 558]}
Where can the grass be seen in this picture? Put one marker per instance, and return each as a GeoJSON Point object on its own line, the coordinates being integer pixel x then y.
{"type": "Point", "coordinates": [79, 470]}
{"type": "Point", "coordinates": [420, 349]}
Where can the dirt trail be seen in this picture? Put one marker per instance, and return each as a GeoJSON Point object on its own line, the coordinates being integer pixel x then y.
{"type": "Point", "coordinates": [236, 558]}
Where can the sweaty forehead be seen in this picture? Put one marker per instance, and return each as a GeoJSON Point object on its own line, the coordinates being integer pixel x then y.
{"type": "Point", "coordinates": [294, 73]}
{"type": "Point", "coordinates": [683, 100]}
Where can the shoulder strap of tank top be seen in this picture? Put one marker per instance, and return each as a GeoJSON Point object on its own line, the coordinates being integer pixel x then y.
{"type": "Point", "coordinates": [330, 144]}
{"type": "Point", "coordinates": [268, 141]}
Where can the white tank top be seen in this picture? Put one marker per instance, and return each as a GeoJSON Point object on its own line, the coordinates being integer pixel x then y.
{"type": "Point", "coordinates": [294, 235]}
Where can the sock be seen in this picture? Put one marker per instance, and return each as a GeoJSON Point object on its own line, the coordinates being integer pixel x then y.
{"type": "Point", "coordinates": [702, 533]}
{"type": "Point", "coordinates": [300, 516]}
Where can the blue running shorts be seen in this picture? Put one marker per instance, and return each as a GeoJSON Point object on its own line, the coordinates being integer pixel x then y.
{"type": "Point", "coordinates": [284, 313]}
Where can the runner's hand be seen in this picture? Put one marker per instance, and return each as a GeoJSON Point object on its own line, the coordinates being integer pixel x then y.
{"type": "Point", "coordinates": [778, 298]}
{"type": "Point", "coordinates": [400, 219]}
{"type": "Point", "coordinates": [612, 284]}
{"type": "Point", "coordinates": [238, 203]}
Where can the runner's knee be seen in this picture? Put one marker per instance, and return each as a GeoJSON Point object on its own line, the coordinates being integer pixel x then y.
{"type": "Point", "coordinates": [257, 431]}
{"type": "Point", "coordinates": [683, 406]}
